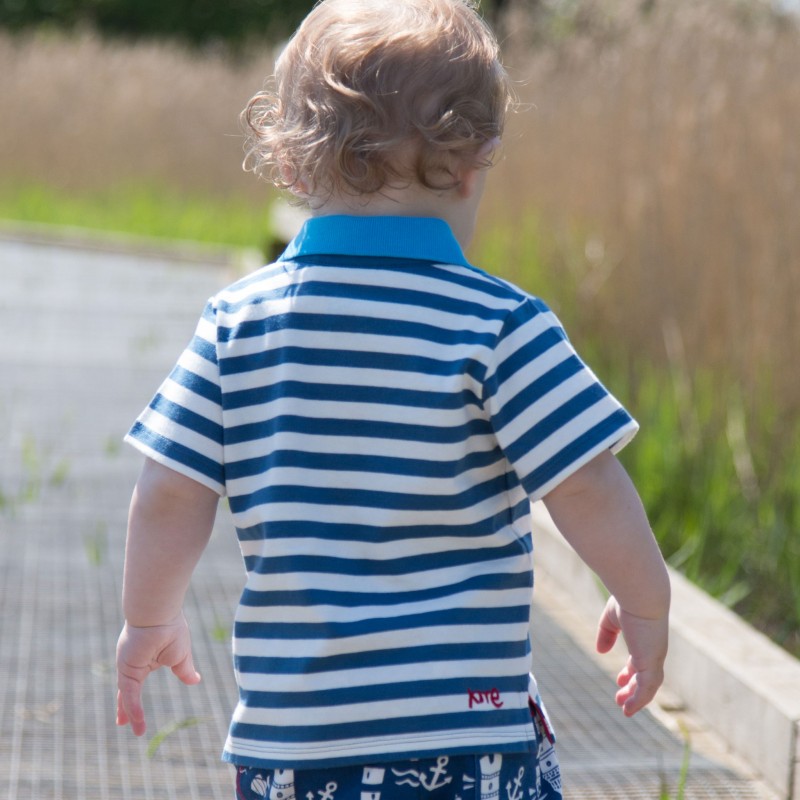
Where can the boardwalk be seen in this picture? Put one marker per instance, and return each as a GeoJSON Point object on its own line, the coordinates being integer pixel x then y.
{"type": "Point", "coordinates": [87, 335]}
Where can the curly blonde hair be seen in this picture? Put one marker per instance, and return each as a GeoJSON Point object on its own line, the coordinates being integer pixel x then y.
{"type": "Point", "coordinates": [372, 93]}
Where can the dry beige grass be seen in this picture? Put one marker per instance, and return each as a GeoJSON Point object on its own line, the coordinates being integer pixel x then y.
{"type": "Point", "coordinates": [671, 139]}
{"type": "Point", "coordinates": [81, 113]}
{"type": "Point", "coordinates": [675, 144]}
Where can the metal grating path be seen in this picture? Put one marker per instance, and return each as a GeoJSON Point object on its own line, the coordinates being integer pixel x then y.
{"type": "Point", "coordinates": [87, 337]}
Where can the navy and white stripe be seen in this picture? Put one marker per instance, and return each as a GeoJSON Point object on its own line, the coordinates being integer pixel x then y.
{"type": "Point", "coordinates": [379, 414]}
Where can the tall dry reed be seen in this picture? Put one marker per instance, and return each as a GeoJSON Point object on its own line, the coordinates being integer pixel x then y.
{"type": "Point", "coordinates": [82, 113]}
{"type": "Point", "coordinates": [672, 143]}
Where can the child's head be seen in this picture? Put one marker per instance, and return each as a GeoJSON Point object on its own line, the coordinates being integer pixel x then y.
{"type": "Point", "coordinates": [370, 94]}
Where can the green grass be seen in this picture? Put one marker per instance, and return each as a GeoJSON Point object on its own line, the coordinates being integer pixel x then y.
{"type": "Point", "coordinates": [725, 504]}
{"type": "Point", "coordinates": [95, 544]}
{"type": "Point", "coordinates": [680, 794]}
{"type": "Point", "coordinates": [143, 210]}
{"type": "Point", "coordinates": [158, 738]}
{"type": "Point", "coordinates": [220, 632]}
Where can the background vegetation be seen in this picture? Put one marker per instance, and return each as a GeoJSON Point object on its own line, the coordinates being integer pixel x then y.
{"type": "Point", "coordinates": [193, 21]}
{"type": "Point", "coordinates": [649, 191]}
{"type": "Point", "coordinates": [234, 24]}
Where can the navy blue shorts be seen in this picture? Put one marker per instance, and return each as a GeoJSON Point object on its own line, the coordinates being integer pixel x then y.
{"type": "Point", "coordinates": [509, 776]}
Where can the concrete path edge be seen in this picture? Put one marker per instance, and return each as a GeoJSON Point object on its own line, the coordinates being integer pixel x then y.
{"type": "Point", "coordinates": [239, 260]}
{"type": "Point", "coordinates": [745, 687]}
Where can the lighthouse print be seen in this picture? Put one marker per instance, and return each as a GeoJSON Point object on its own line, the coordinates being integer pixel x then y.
{"type": "Point", "coordinates": [490, 776]}
{"type": "Point", "coordinates": [282, 785]}
{"type": "Point", "coordinates": [548, 763]}
{"type": "Point", "coordinates": [371, 783]}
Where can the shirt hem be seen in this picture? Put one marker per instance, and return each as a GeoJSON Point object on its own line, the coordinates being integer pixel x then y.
{"type": "Point", "coordinates": [288, 762]}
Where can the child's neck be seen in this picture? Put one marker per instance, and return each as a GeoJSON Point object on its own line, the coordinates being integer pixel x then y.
{"type": "Point", "coordinates": [414, 201]}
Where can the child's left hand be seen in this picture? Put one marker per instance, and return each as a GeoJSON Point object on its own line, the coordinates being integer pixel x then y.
{"type": "Point", "coordinates": [141, 651]}
{"type": "Point", "coordinates": [646, 639]}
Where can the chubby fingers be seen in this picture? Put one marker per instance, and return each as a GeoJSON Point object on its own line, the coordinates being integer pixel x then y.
{"type": "Point", "coordinates": [129, 705]}
{"type": "Point", "coordinates": [637, 688]}
{"type": "Point", "coordinates": [608, 628]}
{"type": "Point", "coordinates": [646, 639]}
{"type": "Point", "coordinates": [185, 671]}
{"type": "Point", "coordinates": [606, 637]}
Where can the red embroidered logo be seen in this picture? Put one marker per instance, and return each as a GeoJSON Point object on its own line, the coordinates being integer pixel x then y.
{"type": "Point", "coordinates": [479, 698]}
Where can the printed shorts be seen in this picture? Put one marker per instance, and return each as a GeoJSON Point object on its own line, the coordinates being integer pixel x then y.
{"type": "Point", "coordinates": [508, 776]}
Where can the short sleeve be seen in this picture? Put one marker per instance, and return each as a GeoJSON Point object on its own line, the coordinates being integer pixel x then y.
{"type": "Point", "coordinates": [550, 413]}
{"type": "Point", "coordinates": [182, 426]}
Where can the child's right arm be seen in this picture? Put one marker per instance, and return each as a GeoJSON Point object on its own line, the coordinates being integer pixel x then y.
{"type": "Point", "coordinates": [598, 511]}
{"type": "Point", "coordinates": [169, 524]}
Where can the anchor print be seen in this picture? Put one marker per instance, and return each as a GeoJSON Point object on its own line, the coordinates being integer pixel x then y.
{"type": "Point", "coordinates": [326, 794]}
{"type": "Point", "coordinates": [435, 780]}
{"type": "Point", "coordinates": [515, 791]}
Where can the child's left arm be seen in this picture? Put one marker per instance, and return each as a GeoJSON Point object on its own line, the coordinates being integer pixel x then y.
{"type": "Point", "coordinates": [598, 511]}
{"type": "Point", "coordinates": [169, 524]}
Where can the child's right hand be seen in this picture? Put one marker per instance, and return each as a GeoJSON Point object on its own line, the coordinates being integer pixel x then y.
{"type": "Point", "coordinates": [646, 639]}
{"type": "Point", "coordinates": [141, 651]}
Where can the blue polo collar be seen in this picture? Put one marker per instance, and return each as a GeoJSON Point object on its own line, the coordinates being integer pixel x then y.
{"type": "Point", "coordinates": [419, 238]}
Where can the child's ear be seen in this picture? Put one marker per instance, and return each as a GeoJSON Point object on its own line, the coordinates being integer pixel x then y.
{"type": "Point", "coordinates": [467, 181]}
{"type": "Point", "coordinates": [485, 156]}
{"type": "Point", "coordinates": [470, 170]}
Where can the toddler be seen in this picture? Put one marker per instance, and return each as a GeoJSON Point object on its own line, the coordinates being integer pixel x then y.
{"type": "Point", "coordinates": [380, 413]}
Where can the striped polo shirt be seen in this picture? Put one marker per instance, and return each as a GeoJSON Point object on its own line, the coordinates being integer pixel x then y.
{"type": "Point", "coordinates": [379, 414]}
